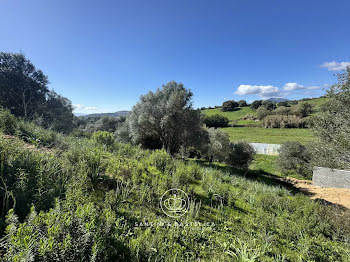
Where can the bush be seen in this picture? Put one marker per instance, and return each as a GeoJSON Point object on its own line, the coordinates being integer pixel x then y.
{"type": "Point", "coordinates": [103, 138]}
{"type": "Point", "coordinates": [216, 121]}
{"type": "Point", "coordinates": [240, 155]}
{"type": "Point", "coordinates": [8, 122]}
{"type": "Point", "coordinates": [262, 112]}
{"type": "Point", "coordinates": [282, 110]}
{"type": "Point", "coordinates": [229, 105]}
{"type": "Point", "coordinates": [242, 103]}
{"type": "Point", "coordinates": [283, 121]}
{"type": "Point", "coordinates": [302, 109]}
{"type": "Point", "coordinates": [293, 156]}
{"type": "Point", "coordinates": [39, 136]}
{"type": "Point", "coordinates": [256, 104]}
{"type": "Point", "coordinates": [268, 105]}
{"type": "Point", "coordinates": [219, 145]}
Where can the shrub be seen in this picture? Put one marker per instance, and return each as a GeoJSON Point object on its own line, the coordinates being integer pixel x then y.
{"type": "Point", "coordinates": [294, 156]}
{"type": "Point", "coordinates": [302, 109]}
{"type": "Point", "coordinates": [262, 112]}
{"type": "Point", "coordinates": [39, 136]}
{"type": "Point", "coordinates": [8, 122]}
{"type": "Point", "coordinates": [216, 121]}
{"type": "Point", "coordinates": [240, 155]}
{"type": "Point", "coordinates": [283, 121]}
{"type": "Point", "coordinates": [256, 104]}
{"type": "Point", "coordinates": [268, 105]}
{"type": "Point", "coordinates": [229, 105]}
{"type": "Point", "coordinates": [103, 138]}
{"type": "Point", "coordinates": [282, 110]}
{"type": "Point", "coordinates": [242, 103]}
{"type": "Point", "coordinates": [218, 146]}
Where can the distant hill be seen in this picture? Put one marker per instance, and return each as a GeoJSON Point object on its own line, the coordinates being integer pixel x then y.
{"type": "Point", "coordinates": [277, 99]}
{"type": "Point", "coordinates": [116, 114]}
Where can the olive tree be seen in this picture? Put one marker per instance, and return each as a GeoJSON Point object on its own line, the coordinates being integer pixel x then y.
{"type": "Point", "coordinates": [166, 119]}
{"type": "Point", "coordinates": [332, 127]}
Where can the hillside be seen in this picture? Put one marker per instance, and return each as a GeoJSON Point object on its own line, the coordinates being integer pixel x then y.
{"type": "Point", "coordinates": [248, 129]}
{"type": "Point", "coordinates": [115, 114]}
{"type": "Point", "coordinates": [109, 207]}
{"type": "Point", "coordinates": [235, 117]}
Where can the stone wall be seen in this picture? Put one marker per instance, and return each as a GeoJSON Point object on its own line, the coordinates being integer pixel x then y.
{"type": "Point", "coordinates": [327, 177]}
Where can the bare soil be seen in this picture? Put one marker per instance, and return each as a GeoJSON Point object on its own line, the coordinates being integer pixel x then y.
{"type": "Point", "coordinates": [336, 196]}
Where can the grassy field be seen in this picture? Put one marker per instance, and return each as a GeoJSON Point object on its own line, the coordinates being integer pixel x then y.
{"type": "Point", "coordinates": [268, 164]}
{"type": "Point", "coordinates": [316, 103]}
{"type": "Point", "coordinates": [235, 117]}
{"type": "Point", "coordinates": [269, 135]}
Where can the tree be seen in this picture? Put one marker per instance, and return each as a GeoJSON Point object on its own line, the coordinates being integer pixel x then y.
{"type": "Point", "coordinates": [268, 105]}
{"type": "Point", "coordinates": [242, 103]}
{"type": "Point", "coordinates": [293, 156]}
{"type": "Point", "coordinates": [332, 127]}
{"type": "Point", "coordinates": [229, 105]}
{"type": "Point", "coordinates": [219, 145]}
{"type": "Point", "coordinates": [58, 113]}
{"type": "Point", "coordinates": [262, 112]}
{"type": "Point", "coordinates": [165, 118]}
{"type": "Point", "coordinates": [301, 109]}
{"type": "Point", "coordinates": [23, 88]}
{"type": "Point", "coordinates": [256, 104]}
{"type": "Point", "coordinates": [216, 121]}
{"type": "Point", "coordinates": [240, 155]}
{"type": "Point", "coordinates": [24, 91]}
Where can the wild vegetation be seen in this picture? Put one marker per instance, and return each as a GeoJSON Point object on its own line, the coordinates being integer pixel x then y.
{"type": "Point", "coordinates": [95, 195]}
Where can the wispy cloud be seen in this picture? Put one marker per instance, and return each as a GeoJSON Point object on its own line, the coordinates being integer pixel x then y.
{"type": "Point", "coordinates": [335, 66]}
{"type": "Point", "coordinates": [296, 86]}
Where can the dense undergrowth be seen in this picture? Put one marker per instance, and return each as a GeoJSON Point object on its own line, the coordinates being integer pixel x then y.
{"type": "Point", "coordinates": [92, 200]}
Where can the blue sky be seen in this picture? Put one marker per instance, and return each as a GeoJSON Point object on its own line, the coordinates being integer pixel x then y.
{"type": "Point", "coordinates": [103, 55]}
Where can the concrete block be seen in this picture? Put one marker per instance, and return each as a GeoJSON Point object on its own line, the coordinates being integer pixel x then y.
{"type": "Point", "coordinates": [327, 177]}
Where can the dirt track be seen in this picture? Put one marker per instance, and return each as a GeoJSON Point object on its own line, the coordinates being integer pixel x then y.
{"type": "Point", "coordinates": [338, 196]}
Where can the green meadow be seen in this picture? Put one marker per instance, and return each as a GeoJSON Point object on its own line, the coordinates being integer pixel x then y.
{"type": "Point", "coordinates": [269, 135]}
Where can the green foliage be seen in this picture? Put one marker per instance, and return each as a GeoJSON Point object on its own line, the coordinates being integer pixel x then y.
{"type": "Point", "coordinates": [219, 145]}
{"type": "Point", "coordinates": [269, 135]}
{"type": "Point", "coordinates": [165, 119]}
{"type": "Point", "coordinates": [216, 121]}
{"type": "Point", "coordinates": [28, 177]}
{"type": "Point", "coordinates": [103, 138]}
{"type": "Point", "coordinates": [283, 121]}
{"type": "Point", "coordinates": [294, 157]}
{"type": "Point", "coordinates": [240, 155]}
{"type": "Point", "coordinates": [256, 104]}
{"type": "Point", "coordinates": [109, 210]}
{"type": "Point", "coordinates": [24, 91]}
{"type": "Point", "coordinates": [229, 105]}
{"type": "Point", "coordinates": [38, 136]}
{"type": "Point", "coordinates": [268, 105]}
{"type": "Point", "coordinates": [301, 109]}
{"type": "Point", "coordinates": [262, 112]}
{"type": "Point", "coordinates": [332, 127]}
{"type": "Point", "coordinates": [242, 103]}
{"type": "Point", "coordinates": [8, 123]}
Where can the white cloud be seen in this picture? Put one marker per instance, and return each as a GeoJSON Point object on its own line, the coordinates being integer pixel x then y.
{"type": "Point", "coordinates": [84, 108]}
{"type": "Point", "coordinates": [296, 86]}
{"type": "Point", "coordinates": [262, 91]}
{"type": "Point", "coordinates": [335, 66]}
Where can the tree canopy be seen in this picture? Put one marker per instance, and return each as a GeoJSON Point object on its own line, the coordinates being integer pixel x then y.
{"type": "Point", "coordinates": [165, 118]}
{"type": "Point", "coordinates": [24, 91]}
